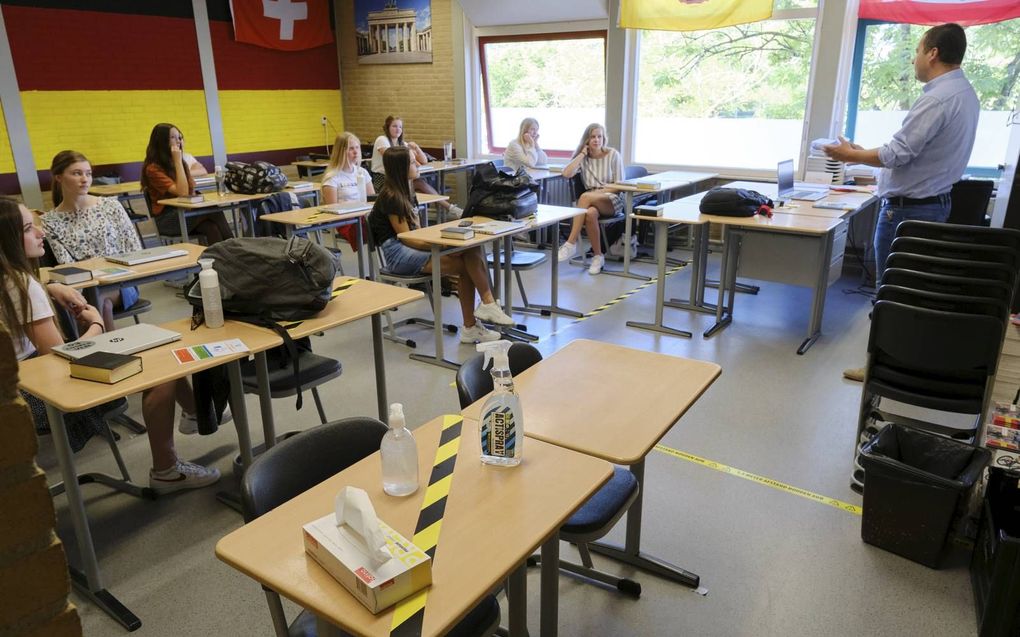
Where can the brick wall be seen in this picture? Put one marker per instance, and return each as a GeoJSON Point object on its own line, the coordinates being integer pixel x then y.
{"type": "Point", "coordinates": [422, 94]}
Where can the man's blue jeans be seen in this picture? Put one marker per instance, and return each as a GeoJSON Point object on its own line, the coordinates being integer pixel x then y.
{"type": "Point", "coordinates": [891, 216]}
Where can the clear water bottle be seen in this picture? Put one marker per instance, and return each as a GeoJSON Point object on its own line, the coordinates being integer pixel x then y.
{"type": "Point", "coordinates": [362, 187]}
{"type": "Point", "coordinates": [399, 456]}
{"type": "Point", "coordinates": [221, 181]}
{"type": "Point", "coordinates": [212, 302]}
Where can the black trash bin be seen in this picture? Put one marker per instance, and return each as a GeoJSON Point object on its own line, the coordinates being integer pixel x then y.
{"type": "Point", "coordinates": [913, 482]}
{"type": "Point", "coordinates": [995, 564]}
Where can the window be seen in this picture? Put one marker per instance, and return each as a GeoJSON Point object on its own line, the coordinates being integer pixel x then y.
{"type": "Point", "coordinates": [732, 97]}
{"type": "Point", "coordinates": [882, 86]}
{"type": "Point", "coordinates": [559, 79]}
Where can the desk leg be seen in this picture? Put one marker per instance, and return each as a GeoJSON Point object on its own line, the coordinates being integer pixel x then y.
{"type": "Point", "coordinates": [554, 281]}
{"type": "Point", "coordinates": [695, 301]}
{"type": "Point", "coordinates": [550, 598]}
{"type": "Point", "coordinates": [517, 595]}
{"type": "Point", "coordinates": [183, 221]}
{"type": "Point", "coordinates": [380, 367]}
{"type": "Point", "coordinates": [265, 400]}
{"type": "Point", "coordinates": [631, 553]}
{"type": "Point", "coordinates": [661, 232]}
{"type": "Point", "coordinates": [88, 583]}
{"type": "Point", "coordinates": [821, 287]}
{"type": "Point", "coordinates": [628, 220]}
{"type": "Point", "coordinates": [437, 313]}
{"type": "Point", "coordinates": [517, 332]}
{"type": "Point", "coordinates": [361, 250]}
{"type": "Point", "coordinates": [731, 248]}
{"type": "Point", "coordinates": [228, 496]}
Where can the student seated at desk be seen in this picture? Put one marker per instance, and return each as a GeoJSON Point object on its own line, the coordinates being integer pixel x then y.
{"type": "Point", "coordinates": [394, 213]}
{"type": "Point", "coordinates": [164, 175]}
{"type": "Point", "coordinates": [81, 226]}
{"type": "Point", "coordinates": [524, 150]}
{"type": "Point", "coordinates": [393, 136]}
{"type": "Point", "coordinates": [600, 166]}
{"type": "Point", "coordinates": [340, 181]}
{"type": "Point", "coordinates": [27, 314]}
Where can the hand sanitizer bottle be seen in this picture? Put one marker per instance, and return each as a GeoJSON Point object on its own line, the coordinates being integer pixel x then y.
{"type": "Point", "coordinates": [502, 425]}
{"type": "Point", "coordinates": [221, 181]}
{"type": "Point", "coordinates": [399, 456]}
{"type": "Point", "coordinates": [212, 302]}
{"type": "Point", "coordinates": [362, 188]}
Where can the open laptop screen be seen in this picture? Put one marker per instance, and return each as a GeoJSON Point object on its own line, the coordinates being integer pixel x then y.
{"type": "Point", "coordinates": [784, 178]}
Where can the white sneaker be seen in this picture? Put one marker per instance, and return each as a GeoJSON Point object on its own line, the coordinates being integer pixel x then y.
{"type": "Point", "coordinates": [188, 423]}
{"type": "Point", "coordinates": [184, 475]}
{"type": "Point", "coordinates": [455, 212]}
{"type": "Point", "coordinates": [477, 333]}
{"type": "Point", "coordinates": [492, 313]}
{"type": "Point", "coordinates": [567, 250]}
{"type": "Point", "coordinates": [597, 262]}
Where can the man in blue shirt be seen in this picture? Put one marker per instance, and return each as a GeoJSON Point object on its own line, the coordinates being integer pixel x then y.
{"type": "Point", "coordinates": [930, 151]}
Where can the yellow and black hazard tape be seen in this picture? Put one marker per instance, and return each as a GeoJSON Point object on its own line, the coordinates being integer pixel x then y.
{"type": "Point", "coordinates": [410, 613]}
{"type": "Point", "coordinates": [608, 304]}
{"type": "Point", "coordinates": [337, 291]}
{"type": "Point", "coordinates": [768, 482]}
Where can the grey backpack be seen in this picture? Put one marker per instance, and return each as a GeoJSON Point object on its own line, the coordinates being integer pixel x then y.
{"type": "Point", "coordinates": [270, 278]}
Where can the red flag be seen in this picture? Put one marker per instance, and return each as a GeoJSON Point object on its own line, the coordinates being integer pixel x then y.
{"type": "Point", "coordinates": [964, 12]}
{"type": "Point", "coordinates": [289, 25]}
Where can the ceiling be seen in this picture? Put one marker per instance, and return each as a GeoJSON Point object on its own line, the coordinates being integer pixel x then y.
{"type": "Point", "coordinates": [492, 13]}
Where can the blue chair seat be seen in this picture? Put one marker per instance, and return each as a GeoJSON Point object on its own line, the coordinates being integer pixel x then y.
{"type": "Point", "coordinates": [601, 508]}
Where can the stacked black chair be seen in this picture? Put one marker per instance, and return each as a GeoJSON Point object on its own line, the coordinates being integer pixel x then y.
{"type": "Point", "coordinates": [937, 328]}
{"type": "Point", "coordinates": [299, 463]}
{"type": "Point", "coordinates": [970, 201]}
{"type": "Point", "coordinates": [600, 513]}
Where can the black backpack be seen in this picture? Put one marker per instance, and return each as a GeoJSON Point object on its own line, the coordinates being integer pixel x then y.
{"type": "Point", "coordinates": [499, 193]}
{"type": "Point", "coordinates": [255, 178]}
{"type": "Point", "coordinates": [735, 202]}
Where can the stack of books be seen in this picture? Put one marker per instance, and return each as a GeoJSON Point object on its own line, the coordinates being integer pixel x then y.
{"type": "Point", "coordinates": [457, 232]}
{"type": "Point", "coordinates": [301, 186]}
{"type": "Point", "coordinates": [106, 367]}
{"type": "Point", "coordinates": [192, 199]}
{"type": "Point", "coordinates": [69, 275]}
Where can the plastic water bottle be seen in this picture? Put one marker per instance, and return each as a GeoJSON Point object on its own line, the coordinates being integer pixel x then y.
{"type": "Point", "coordinates": [399, 456]}
{"type": "Point", "coordinates": [221, 181]}
{"type": "Point", "coordinates": [502, 423]}
{"type": "Point", "coordinates": [212, 302]}
{"type": "Point", "coordinates": [362, 188]}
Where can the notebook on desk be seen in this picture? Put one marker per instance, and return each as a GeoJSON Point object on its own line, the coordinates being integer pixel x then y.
{"type": "Point", "coordinates": [126, 340]}
{"type": "Point", "coordinates": [787, 189]}
{"type": "Point", "coordinates": [149, 254]}
{"type": "Point", "coordinates": [498, 227]}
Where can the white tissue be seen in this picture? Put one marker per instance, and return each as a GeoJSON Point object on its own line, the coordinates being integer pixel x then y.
{"type": "Point", "coordinates": [355, 515]}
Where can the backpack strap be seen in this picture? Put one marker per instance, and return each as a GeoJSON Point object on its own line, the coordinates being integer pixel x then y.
{"type": "Point", "coordinates": [289, 345]}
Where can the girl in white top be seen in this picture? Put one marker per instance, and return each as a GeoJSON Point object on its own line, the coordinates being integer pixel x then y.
{"type": "Point", "coordinates": [599, 166]}
{"type": "Point", "coordinates": [524, 150]}
{"type": "Point", "coordinates": [393, 135]}
{"type": "Point", "coordinates": [340, 182]}
{"type": "Point", "coordinates": [26, 313]}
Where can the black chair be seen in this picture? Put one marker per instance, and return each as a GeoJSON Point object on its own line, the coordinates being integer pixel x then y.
{"type": "Point", "coordinates": [960, 304]}
{"type": "Point", "coordinates": [955, 250]}
{"type": "Point", "coordinates": [600, 513]}
{"type": "Point", "coordinates": [951, 267]}
{"type": "Point", "coordinates": [301, 462]}
{"type": "Point", "coordinates": [970, 199]}
{"type": "Point", "coordinates": [313, 370]}
{"type": "Point", "coordinates": [946, 284]}
{"type": "Point", "coordinates": [1006, 237]}
{"type": "Point", "coordinates": [576, 190]}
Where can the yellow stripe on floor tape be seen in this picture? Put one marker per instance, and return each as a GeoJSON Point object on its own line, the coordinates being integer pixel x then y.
{"type": "Point", "coordinates": [768, 482]}
{"type": "Point", "coordinates": [608, 304]}
{"type": "Point", "coordinates": [337, 291]}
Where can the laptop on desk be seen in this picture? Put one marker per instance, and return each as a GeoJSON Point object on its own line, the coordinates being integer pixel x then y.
{"type": "Point", "coordinates": [145, 256]}
{"type": "Point", "coordinates": [498, 227]}
{"type": "Point", "coordinates": [126, 340]}
{"type": "Point", "coordinates": [786, 188]}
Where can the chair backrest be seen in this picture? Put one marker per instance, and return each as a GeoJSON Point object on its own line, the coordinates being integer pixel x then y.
{"type": "Point", "coordinates": [954, 250]}
{"type": "Point", "coordinates": [944, 302]}
{"type": "Point", "coordinates": [577, 186]}
{"type": "Point", "coordinates": [945, 284]}
{"type": "Point", "coordinates": [951, 267]}
{"type": "Point", "coordinates": [1006, 237]}
{"type": "Point", "coordinates": [299, 463]}
{"type": "Point", "coordinates": [634, 172]}
{"type": "Point", "coordinates": [473, 382]}
{"type": "Point", "coordinates": [970, 199]}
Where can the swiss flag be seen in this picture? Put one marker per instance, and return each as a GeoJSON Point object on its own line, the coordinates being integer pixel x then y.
{"type": "Point", "coordinates": [289, 25]}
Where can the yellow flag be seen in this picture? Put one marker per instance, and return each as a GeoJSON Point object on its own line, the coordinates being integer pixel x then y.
{"type": "Point", "coordinates": [691, 15]}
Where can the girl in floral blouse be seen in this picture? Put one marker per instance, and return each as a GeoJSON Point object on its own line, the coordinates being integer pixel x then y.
{"type": "Point", "coordinates": [82, 226]}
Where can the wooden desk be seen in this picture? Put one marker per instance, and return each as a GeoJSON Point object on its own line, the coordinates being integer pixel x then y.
{"type": "Point", "coordinates": [47, 377]}
{"type": "Point", "coordinates": [858, 200]}
{"type": "Point", "coordinates": [514, 509]}
{"type": "Point", "coordinates": [619, 426]}
{"type": "Point", "coordinates": [311, 220]}
{"type": "Point", "coordinates": [117, 190]}
{"type": "Point", "coordinates": [141, 273]}
{"type": "Point", "coordinates": [232, 201]}
{"type": "Point", "coordinates": [440, 245]}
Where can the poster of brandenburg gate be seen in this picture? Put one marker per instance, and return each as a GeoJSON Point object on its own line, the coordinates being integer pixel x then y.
{"type": "Point", "coordinates": [393, 31]}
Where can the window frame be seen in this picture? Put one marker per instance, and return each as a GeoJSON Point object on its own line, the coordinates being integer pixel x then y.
{"type": "Point", "coordinates": [529, 37]}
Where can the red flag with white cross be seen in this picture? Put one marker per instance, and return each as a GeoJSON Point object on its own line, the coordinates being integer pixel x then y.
{"type": "Point", "coordinates": [288, 25]}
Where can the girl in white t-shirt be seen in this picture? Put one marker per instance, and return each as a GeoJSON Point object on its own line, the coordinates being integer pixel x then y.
{"type": "Point", "coordinates": [28, 317]}
{"type": "Point", "coordinates": [524, 149]}
{"type": "Point", "coordinates": [340, 183]}
{"type": "Point", "coordinates": [393, 135]}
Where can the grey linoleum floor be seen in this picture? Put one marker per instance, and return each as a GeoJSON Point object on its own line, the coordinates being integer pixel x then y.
{"type": "Point", "coordinates": [774, 564]}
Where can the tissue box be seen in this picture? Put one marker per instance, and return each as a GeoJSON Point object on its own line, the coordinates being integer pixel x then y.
{"type": "Point", "coordinates": [377, 587]}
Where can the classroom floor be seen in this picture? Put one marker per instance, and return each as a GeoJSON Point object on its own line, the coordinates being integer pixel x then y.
{"type": "Point", "coordinates": [774, 563]}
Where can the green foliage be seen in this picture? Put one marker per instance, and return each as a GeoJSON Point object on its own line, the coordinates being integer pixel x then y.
{"type": "Point", "coordinates": [551, 73]}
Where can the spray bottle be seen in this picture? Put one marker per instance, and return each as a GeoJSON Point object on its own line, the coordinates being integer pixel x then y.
{"type": "Point", "coordinates": [399, 456]}
{"type": "Point", "coordinates": [502, 423]}
{"type": "Point", "coordinates": [212, 302]}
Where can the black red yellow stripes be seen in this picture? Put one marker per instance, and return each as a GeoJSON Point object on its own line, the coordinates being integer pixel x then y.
{"type": "Point", "coordinates": [410, 613]}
